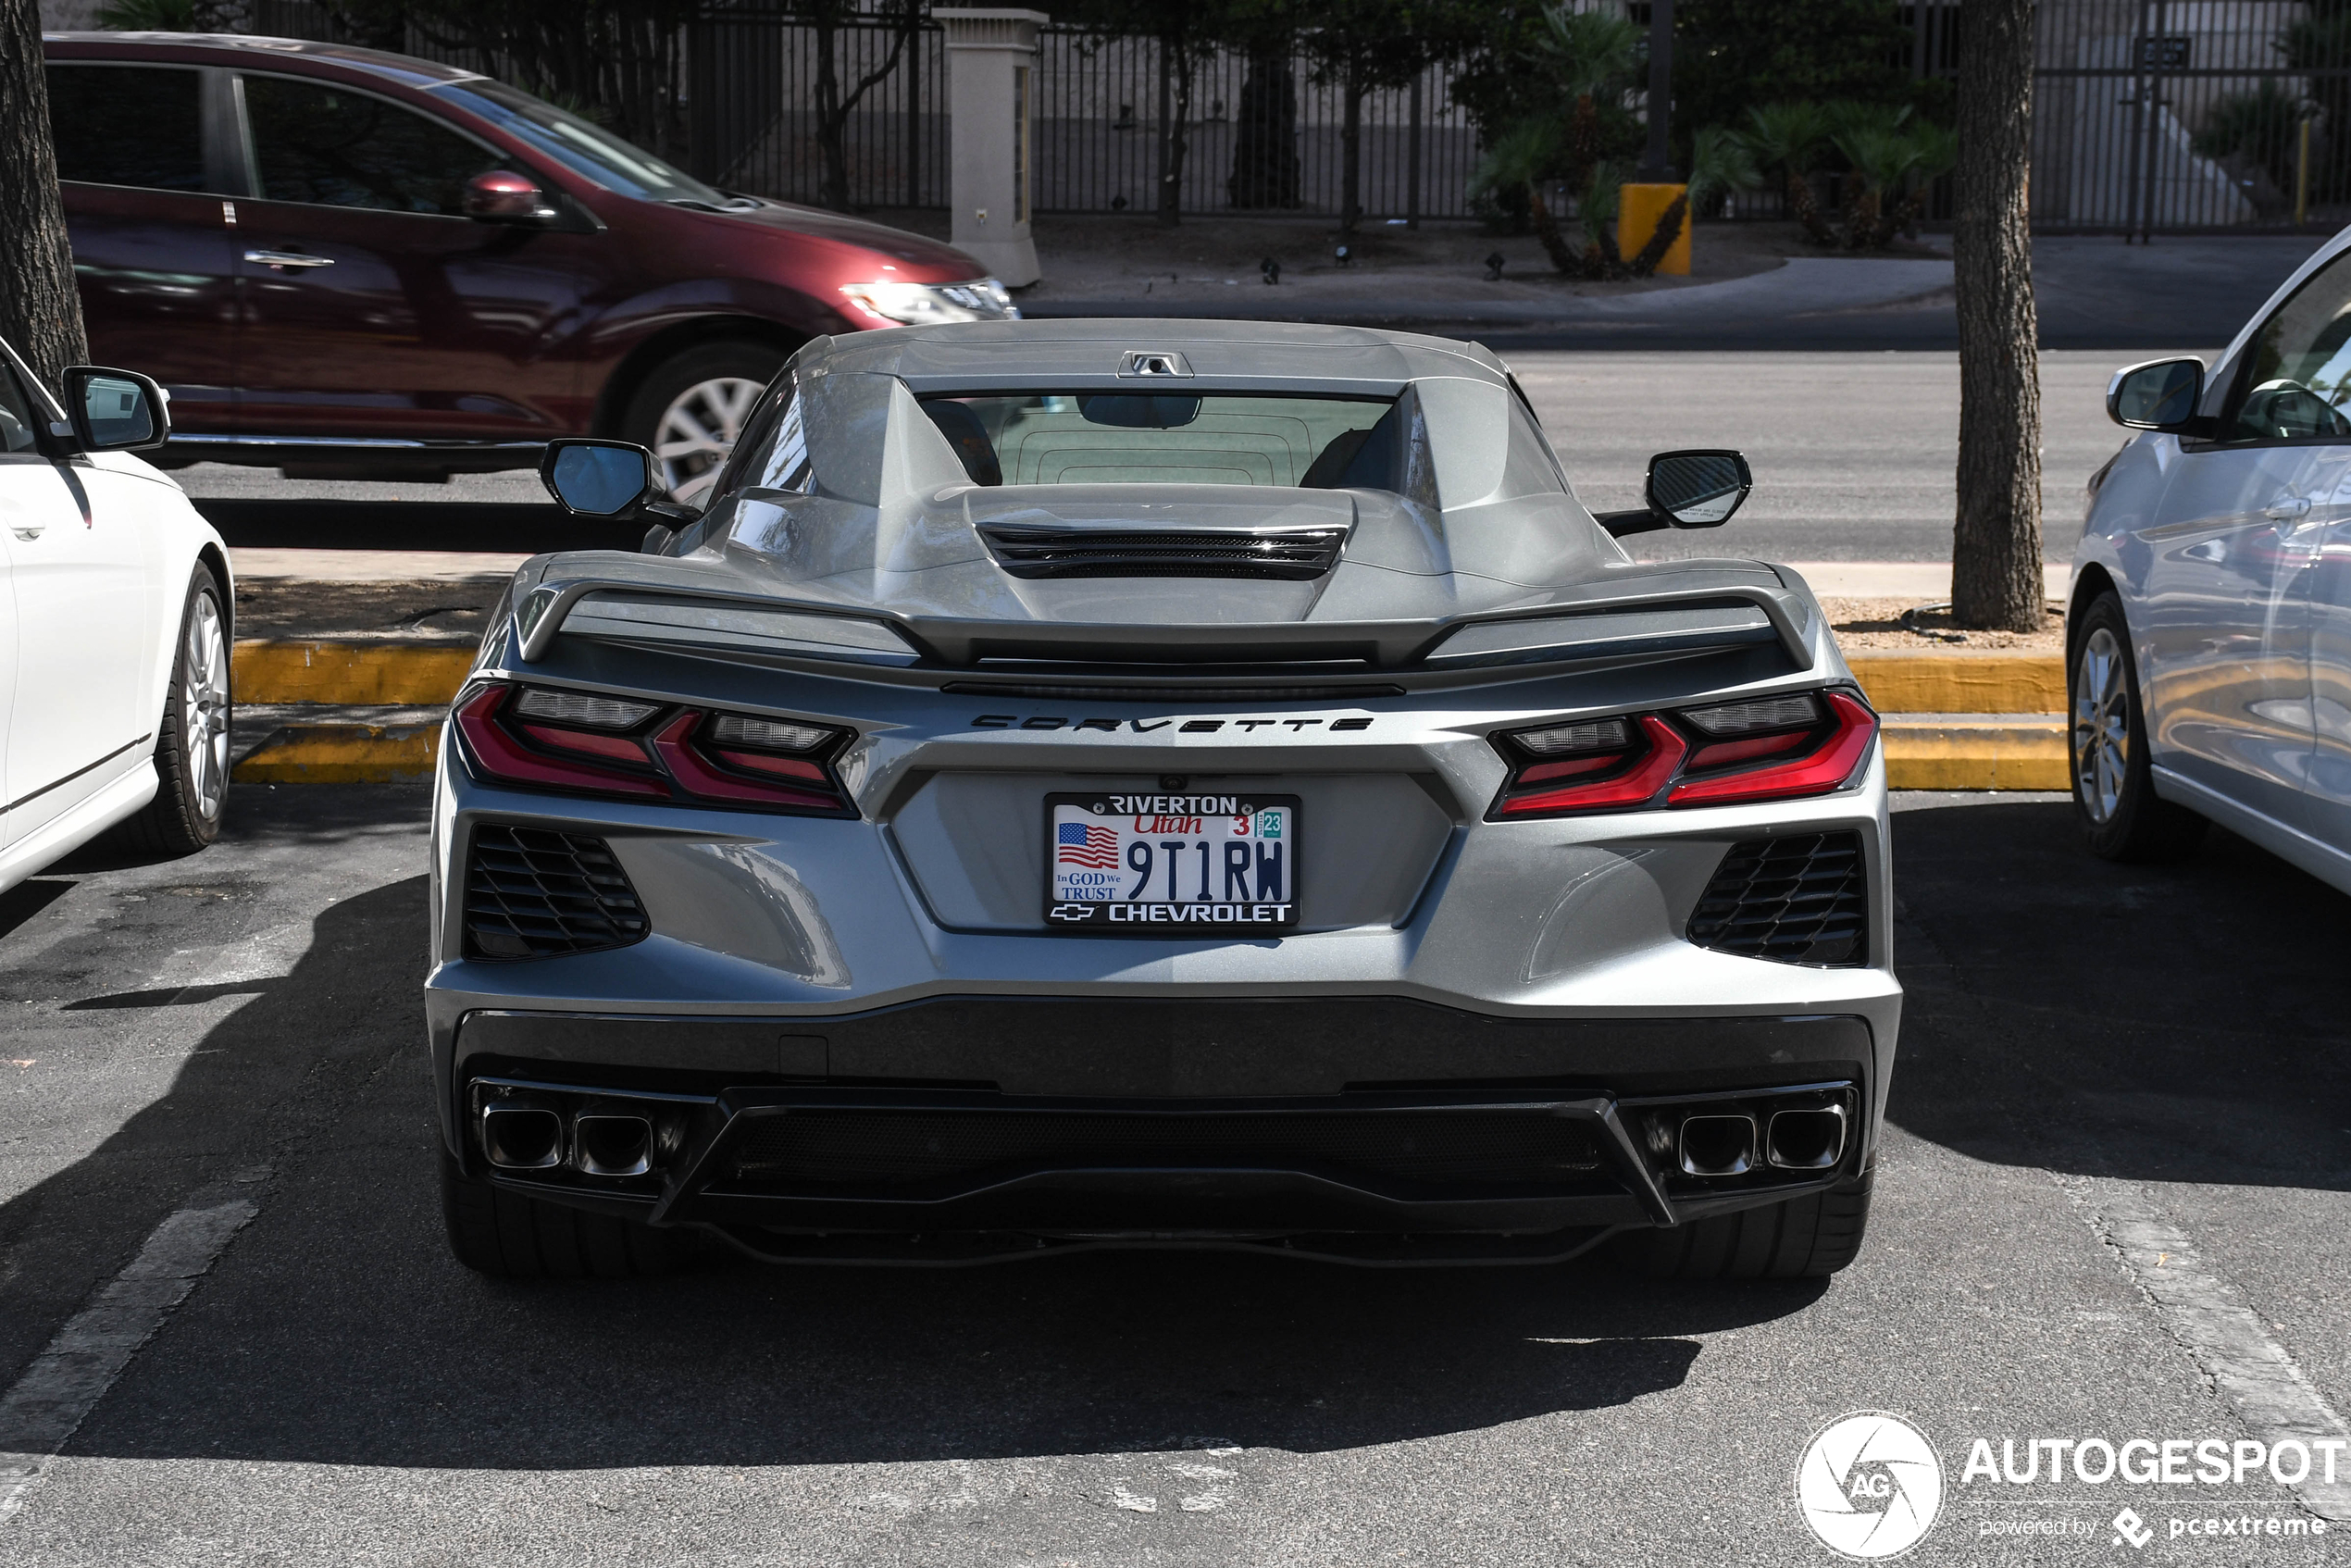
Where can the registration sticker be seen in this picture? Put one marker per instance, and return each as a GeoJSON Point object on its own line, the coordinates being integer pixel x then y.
{"type": "Point", "coordinates": [1171, 865]}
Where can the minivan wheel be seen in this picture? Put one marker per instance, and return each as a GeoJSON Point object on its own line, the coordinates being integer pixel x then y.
{"type": "Point", "coordinates": [192, 738]}
{"type": "Point", "coordinates": [694, 406]}
{"type": "Point", "coordinates": [2113, 783]}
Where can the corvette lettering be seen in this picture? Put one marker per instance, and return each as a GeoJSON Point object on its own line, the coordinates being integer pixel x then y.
{"type": "Point", "coordinates": [1144, 727]}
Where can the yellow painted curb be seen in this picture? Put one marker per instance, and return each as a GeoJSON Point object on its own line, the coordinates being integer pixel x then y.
{"type": "Point", "coordinates": [1995, 752]}
{"type": "Point", "coordinates": [1898, 681]}
{"type": "Point", "coordinates": [351, 674]}
{"type": "Point", "coordinates": [341, 754]}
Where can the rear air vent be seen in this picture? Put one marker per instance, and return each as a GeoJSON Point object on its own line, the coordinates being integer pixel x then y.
{"type": "Point", "coordinates": [532, 893]}
{"type": "Point", "coordinates": [1798, 899]}
{"type": "Point", "coordinates": [1284, 556]}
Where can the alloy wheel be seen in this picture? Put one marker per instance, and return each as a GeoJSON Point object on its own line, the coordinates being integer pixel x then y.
{"type": "Point", "coordinates": [203, 705]}
{"type": "Point", "coordinates": [698, 430]}
{"type": "Point", "coordinates": [2101, 725]}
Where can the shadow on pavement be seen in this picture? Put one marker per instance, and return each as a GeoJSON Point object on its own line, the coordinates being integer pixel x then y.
{"type": "Point", "coordinates": [339, 1330]}
{"type": "Point", "coordinates": [2168, 1023]}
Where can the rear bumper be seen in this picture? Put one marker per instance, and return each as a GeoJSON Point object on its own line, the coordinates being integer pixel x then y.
{"type": "Point", "coordinates": [1340, 1105]}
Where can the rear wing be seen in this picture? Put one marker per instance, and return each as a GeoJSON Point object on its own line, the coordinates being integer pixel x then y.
{"type": "Point", "coordinates": [1583, 622]}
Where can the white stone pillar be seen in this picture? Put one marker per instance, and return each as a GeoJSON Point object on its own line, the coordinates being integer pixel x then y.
{"type": "Point", "coordinates": [991, 59]}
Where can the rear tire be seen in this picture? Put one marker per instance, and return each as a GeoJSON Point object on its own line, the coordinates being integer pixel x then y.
{"type": "Point", "coordinates": [509, 1236]}
{"type": "Point", "coordinates": [691, 409]}
{"type": "Point", "coordinates": [2106, 747]}
{"type": "Point", "coordinates": [1800, 1238]}
{"type": "Point", "coordinates": [191, 741]}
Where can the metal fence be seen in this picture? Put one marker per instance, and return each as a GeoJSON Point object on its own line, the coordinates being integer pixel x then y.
{"type": "Point", "coordinates": [1107, 108]}
{"type": "Point", "coordinates": [2148, 116]}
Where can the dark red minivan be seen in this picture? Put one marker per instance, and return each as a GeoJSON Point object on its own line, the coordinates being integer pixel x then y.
{"type": "Point", "coordinates": [350, 263]}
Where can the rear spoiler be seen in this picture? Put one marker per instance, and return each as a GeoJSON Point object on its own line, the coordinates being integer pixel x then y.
{"type": "Point", "coordinates": [1599, 621]}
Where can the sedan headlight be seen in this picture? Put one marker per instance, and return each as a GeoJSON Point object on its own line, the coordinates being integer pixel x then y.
{"type": "Point", "coordinates": [924, 305]}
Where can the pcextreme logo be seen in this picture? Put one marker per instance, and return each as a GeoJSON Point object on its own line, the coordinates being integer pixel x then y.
{"type": "Point", "coordinates": [1869, 1485]}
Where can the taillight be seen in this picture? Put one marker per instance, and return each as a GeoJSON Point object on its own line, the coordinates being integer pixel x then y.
{"type": "Point", "coordinates": [1761, 749]}
{"type": "Point", "coordinates": [1811, 761]}
{"type": "Point", "coordinates": [589, 744]}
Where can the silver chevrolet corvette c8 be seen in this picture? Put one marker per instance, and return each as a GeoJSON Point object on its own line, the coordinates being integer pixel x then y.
{"type": "Point", "coordinates": [1156, 783]}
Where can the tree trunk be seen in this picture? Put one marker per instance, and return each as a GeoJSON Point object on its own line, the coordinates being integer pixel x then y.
{"type": "Point", "coordinates": [1995, 546]}
{"type": "Point", "coordinates": [40, 313]}
{"type": "Point", "coordinates": [1350, 141]}
{"type": "Point", "coordinates": [1265, 142]}
{"type": "Point", "coordinates": [832, 125]}
{"type": "Point", "coordinates": [1176, 127]}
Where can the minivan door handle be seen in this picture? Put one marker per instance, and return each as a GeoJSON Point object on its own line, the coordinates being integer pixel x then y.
{"type": "Point", "coordinates": [288, 258]}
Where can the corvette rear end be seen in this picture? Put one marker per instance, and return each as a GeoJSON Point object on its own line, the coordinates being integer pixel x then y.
{"type": "Point", "coordinates": [1138, 783]}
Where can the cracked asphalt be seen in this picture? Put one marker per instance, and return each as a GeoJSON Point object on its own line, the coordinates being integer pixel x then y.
{"type": "Point", "coordinates": [2087, 1048]}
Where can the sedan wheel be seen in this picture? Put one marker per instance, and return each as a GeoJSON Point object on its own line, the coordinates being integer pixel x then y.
{"type": "Point", "coordinates": [204, 704]}
{"type": "Point", "coordinates": [192, 738]}
{"type": "Point", "coordinates": [2101, 725]}
{"type": "Point", "coordinates": [698, 430]}
{"type": "Point", "coordinates": [2113, 781]}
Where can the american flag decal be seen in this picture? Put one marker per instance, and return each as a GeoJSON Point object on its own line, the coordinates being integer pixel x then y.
{"type": "Point", "coordinates": [1078, 843]}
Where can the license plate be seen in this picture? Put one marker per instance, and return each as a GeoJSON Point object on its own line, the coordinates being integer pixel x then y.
{"type": "Point", "coordinates": [1171, 865]}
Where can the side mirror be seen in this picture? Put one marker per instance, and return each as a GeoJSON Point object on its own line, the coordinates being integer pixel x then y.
{"type": "Point", "coordinates": [1686, 490]}
{"type": "Point", "coordinates": [598, 478]}
{"type": "Point", "coordinates": [500, 195]}
{"type": "Point", "coordinates": [2160, 395]}
{"type": "Point", "coordinates": [115, 410]}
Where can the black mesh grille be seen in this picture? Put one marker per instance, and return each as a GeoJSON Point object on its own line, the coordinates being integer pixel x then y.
{"type": "Point", "coordinates": [1800, 898]}
{"type": "Point", "coordinates": [533, 894]}
{"type": "Point", "coordinates": [837, 1149]}
{"type": "Point", "coordinates": [1290, 555]}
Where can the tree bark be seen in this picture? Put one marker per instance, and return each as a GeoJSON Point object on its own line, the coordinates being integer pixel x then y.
{"type": "Point", "coordinates": [1996, 545]}
{"type": "Point", "coordinates": [40, 312]}
{"type": "Point", "coordinates": [1350, 141]}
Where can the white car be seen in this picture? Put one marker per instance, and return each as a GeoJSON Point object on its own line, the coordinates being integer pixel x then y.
{"type": "Point", "coordinates": [115, 615]}
{"type": "Point", "coordinates": [2208, 633]}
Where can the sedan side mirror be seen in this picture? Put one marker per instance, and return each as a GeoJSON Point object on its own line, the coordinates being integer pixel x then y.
{"type": "Point", "coordinates": [115, 410]}
{"type": "Point", "coordinates": [1686, 489]}
{"type": "Point", "coordinates": [2160, 395]}
{"type": "Point", "coordinates": [500, 195]}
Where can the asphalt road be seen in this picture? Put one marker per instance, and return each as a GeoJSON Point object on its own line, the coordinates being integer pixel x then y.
{"type": "Point", "coordinates": [1853, 456]}
{"type": "Point", "coordinates": [2124, 1095]}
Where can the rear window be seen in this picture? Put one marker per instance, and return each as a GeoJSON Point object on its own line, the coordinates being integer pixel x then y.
{"type": "Point", "coordinates": [128, 125]}
{"type": "Point", "coordinates": [1160, 438]}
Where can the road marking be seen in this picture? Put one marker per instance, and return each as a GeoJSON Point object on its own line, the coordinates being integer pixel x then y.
{"type": "Point", "coordinates": [2223, 1335]}
{"type": "Point", "coordinates": [68, 1377]}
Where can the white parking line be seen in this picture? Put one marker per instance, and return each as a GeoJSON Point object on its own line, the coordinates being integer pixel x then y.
{"type": "Point", "coordinates": [58, 1390]}
{"type": "Point", "coordinates": [2205, 1313]}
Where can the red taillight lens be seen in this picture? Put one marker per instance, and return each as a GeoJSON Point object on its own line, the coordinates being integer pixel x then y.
{"type": "Point", "coordinates": [1827, 761]}
{"type": "Point", "coordinates": [1637, 772]}
{"type": "Point", "coordinates": [602, 746]}
{"type": "Point", "coordinates": [1706, 756]}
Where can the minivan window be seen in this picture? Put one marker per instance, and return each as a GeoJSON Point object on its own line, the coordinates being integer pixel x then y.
{"type": "Point", "coordinates": [128, 125]}
{"type": "Point", "coordinates": [587, 150]}
{"type": "Point", "coordinates": [314, 143]}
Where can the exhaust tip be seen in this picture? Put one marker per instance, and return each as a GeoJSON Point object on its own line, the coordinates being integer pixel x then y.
{"type": "Point", "coordinates": [1717, 1145]}
{"type": "Point", "coordinates": [521, 1138]}
{"type": "Point", "coordinates": [1806, 1140]}
{"type": "Point", "coordinates": [606, 1144]}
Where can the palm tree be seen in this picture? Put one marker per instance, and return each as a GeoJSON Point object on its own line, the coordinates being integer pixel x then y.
{"type": "Point", "coordinates": [1720, 162]}
{"type": "Point", "coordinates": [1588, 53]}
{"type": "Point", "coordinates": [1788, 137]}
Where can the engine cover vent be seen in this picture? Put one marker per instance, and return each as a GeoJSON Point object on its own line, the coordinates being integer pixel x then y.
{"type": "Point", "coordinates": [1801, 899]}
{"type": "Point", "coordinates": [1280, 555]}
{"type": "Point", "coordinates": [534, 894]}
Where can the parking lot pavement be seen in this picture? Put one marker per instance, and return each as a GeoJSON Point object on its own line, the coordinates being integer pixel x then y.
{"type": "Point", "coordinates": [2093, 1056]}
